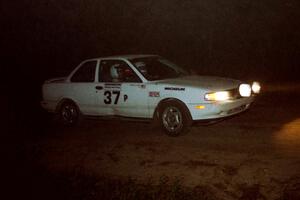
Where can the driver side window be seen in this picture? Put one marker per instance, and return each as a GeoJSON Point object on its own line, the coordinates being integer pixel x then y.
{"type": "Point", "coordinates": [116, 71]}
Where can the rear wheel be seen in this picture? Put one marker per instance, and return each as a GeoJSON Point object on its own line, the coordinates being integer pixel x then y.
{"type": "Point", "coordinates": [174, 118]}
{"type": "Point", "coordinates": [69, 113]}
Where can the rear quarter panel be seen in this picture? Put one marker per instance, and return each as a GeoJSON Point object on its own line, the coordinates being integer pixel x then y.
{"type": "Point", "coordinates": [53, 93]}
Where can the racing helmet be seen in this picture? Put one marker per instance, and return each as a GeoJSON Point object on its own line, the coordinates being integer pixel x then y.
{"type": "Point", "coordinates": [115, 71]}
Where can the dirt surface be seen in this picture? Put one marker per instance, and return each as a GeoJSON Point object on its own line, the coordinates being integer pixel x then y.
{"type": "Point", "coordinates": [255, 155]}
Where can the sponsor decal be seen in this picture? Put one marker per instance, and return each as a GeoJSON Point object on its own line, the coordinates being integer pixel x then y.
{"type": "Point", "coordinates": [154, 94]}
{"type": "Point", "coordinates": [112, 85]}
{"type": "Point", "coordinates": [138, 85]}
{"type": "Point", "coordinates": [175, 88]}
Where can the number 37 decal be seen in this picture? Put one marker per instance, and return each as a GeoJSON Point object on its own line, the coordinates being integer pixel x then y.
{"type": "Point", "coordinates": [108, 97]}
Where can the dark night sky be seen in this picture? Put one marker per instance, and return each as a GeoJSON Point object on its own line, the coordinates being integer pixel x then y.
{"type": "Point", "coordinates": [234, 38]}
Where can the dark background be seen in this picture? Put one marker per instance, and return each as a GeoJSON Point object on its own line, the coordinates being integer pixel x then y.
{"type": "Point", "coordinates": [240, 39]}
{"type": "Point", "coordinates": [247, 40]}
{"type": "Point", "coordinates": [243, 39]}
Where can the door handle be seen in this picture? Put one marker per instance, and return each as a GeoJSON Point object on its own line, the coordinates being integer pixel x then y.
{"type": "Point", "coordinates": [99, 87]}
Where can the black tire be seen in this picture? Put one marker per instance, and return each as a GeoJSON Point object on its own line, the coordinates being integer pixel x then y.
{"type": "Point", "coordinates": [174, 118]}
{"type": "Point", "coordinates": [69, 113]}
{"type": "Point", "coordinates": [155, 120]}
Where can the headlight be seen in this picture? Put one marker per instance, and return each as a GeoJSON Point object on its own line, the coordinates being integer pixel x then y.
{"type": "Point", "coordinates": [255, 87]}
{"type": "Point", "coordinates": [245, 90]}
{"type": "Point", "coordinates": [217, 96]}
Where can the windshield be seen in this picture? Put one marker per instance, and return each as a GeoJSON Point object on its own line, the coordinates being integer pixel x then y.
{"type": "Point", "coordinates": [157, 68]}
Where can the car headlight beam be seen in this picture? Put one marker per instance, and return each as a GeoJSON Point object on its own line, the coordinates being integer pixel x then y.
{"type": "Point", "coordinates": [245, 90]}
{"type": "Point", "coordinates": [217, 96]}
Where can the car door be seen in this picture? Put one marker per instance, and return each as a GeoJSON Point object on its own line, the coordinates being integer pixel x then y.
{"type": "Point", "coordinates": [134, 100]}
{"type": "Point", "coordinates": [124, 92]}
{"type": "Point", "coordinates": [81, 88]}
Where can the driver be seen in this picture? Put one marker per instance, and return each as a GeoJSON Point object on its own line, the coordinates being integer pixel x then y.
{"type": "Point", "coordinates": [117, 73]}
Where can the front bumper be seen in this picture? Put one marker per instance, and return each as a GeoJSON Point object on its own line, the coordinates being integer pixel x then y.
{"type": "Point", "coordinates": [220, 109]}
{"type": "Point", "coordinates": [50, 106]}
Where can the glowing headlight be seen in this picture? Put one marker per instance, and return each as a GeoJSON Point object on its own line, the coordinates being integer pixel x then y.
{"type": "Point", "coordinates": [255, 87]}
{"type": "Point", "coordinates": [217, 96]}
{"type": "Point", "coordinates": [245, 90]}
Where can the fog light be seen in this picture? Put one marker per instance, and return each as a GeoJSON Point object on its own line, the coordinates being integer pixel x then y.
{"type": "Point", "coordinates": [256, 87]}
{"type": "Point", "coordinates": [245, 90]}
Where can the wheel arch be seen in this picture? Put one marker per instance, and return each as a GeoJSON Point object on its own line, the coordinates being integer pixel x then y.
{"type": "Point", "coordinates": [64, 100]}
{"type": "Point", "coordinates": [169, 100]}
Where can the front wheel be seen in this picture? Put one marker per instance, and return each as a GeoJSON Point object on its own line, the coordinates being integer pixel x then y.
{"type": "Point", "coordinates": [175, 118]}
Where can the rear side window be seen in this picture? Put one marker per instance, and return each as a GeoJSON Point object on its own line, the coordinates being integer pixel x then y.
{"type": "Point", "coordinates": [86, 73]}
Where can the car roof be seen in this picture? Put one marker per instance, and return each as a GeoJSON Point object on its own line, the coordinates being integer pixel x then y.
{"type": "Point", "coordinates": [129, 56]}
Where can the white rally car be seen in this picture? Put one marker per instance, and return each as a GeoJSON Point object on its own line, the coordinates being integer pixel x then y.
{"type": "Point", "coordinates": [145, 87]}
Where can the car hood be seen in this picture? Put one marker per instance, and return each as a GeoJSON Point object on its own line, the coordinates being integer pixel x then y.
{"type": "Point", "coordinates": [204, 82]}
